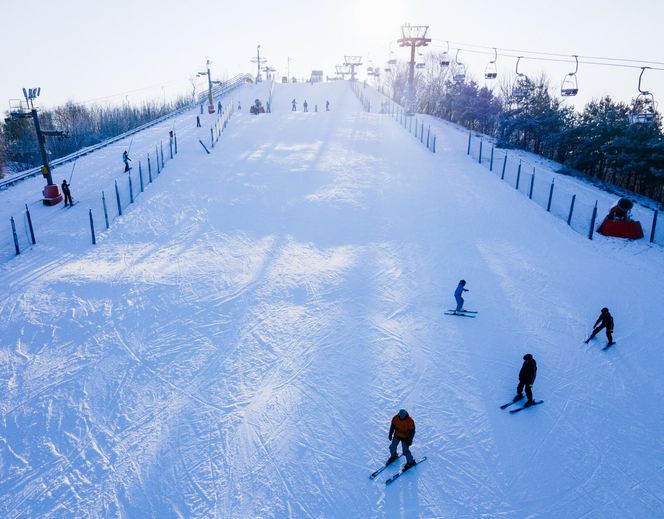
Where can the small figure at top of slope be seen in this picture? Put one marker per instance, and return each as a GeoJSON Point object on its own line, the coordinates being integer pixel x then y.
{"type": "Point", "coordinates": [219, 108]}
{"type": "Point", "coordinates": [527, 376]}
{"type": "Point", "coordinates": [305, 106]}
{"type": "Point", "coordinates": [605, 321]}
{"type": "Point", "coordinates": [327, 106]}
{"type": "Point", "coordinates": [316, 107]}
{"type": "Point", "coordinates": [126, 160]}
{"type": "Point", "coordinates": [239, 106]}
{"type": "Point", "coordinates": [402, 429]}
{"type": "Point", "coordinates": [294, 103]}
{"type": "Point", "coordinates": [460, 289]}
{"type": "Point", "coordinates": [67, 193]}
{"type": "Point", "coordinates": [198, 121]}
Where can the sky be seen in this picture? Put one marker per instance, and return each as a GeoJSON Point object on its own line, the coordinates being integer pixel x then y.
{"type": "Point", "coordinates": [128, 51]}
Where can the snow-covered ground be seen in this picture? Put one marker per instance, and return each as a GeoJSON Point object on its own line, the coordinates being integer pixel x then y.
{"type": "Point", "coordinates": [237, 343]}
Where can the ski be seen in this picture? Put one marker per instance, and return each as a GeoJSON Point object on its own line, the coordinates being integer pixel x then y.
{"type": "Point", "coordinates": [373, 476]}
{"type": "Point", "coordinates": [68, 206]}
{"type": "Point", "coordinates": [403, 471]}
{"type": "Point", "coordinates": [608, 346]}
{"type": "Point", "coordinates": [463, 311]}
{"type": "Point", "coordinates": [459, 314]}
{"type": "Point", "coordinates": [522, 408]}
{"type": "Point", "coordinates": [505, 406]}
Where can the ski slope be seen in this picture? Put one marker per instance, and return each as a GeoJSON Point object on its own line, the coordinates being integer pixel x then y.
{"type": "Point", "coordinates": [237, 343]}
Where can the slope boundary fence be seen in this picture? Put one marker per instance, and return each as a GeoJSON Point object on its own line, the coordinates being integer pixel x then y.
{"type": "Point", "coordinates": [581, 208]}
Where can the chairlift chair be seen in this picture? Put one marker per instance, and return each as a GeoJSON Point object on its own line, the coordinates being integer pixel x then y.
{"type": "Point", "coordinates": [645, 108]}
{"type": "Point", "coordinates": [521, 87]}
{"type": "Point", "coordinates": [420, 61]}
{"type": "Point", "coordinates": [460, 75]}
{"type": "Point", "coordinates": [393, 59]}
{"type": "Point", "coordinates": [491, 71]}
{"type": "Point", "coordinates": [569, 85]}
{"type": "Point", "coordinates": [445, 58]}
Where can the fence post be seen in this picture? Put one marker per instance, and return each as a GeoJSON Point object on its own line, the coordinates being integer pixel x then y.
{"type": "Point", "coordinates": [479, 159]}
{"type": "Point", "coordinates": [18, 251]}
{"type": "Point", "coordinates": [175, 139]}
{"type": "Point", "coordinates": [410, 125]}
{"type": "Point", "coordinates": [140, 174]}
{"type": "Point", "coordinates": [654, 226]}
{"type": "Point", "coordinates": [161, 145]}
{"type": "Point", "coordinates": [468, 150]}
{"type": "Point", "coordinates": [422, 133]}
{"type": "Point", "coordinates": [149, 170]}
{"type": "Point", "coordinates": [156, 156]}
{"type": "Point", "coordinates": [103, 202]}
{"type": "Point", "coordinates": [428, 135]}
{"type": "Point", "coordinates": [502, 175]}
{"type": "Point", "coordinates": [532, 184]}
{"type": "Point", "coordinates": [170, 146]}
{"type": "Point", "coordinates": [518, 176]}
{"type": "Point", "coordinates": [548, 205]}
{"type": "Point", "coordinates": [117, 198]}
{"type": "Point", "coordinates": [92, 229]}
{"type": "Point", "coordinates": [32, 231]}
{"type": "Point", "coordinates": [491, 159]}
{"type": "Point", "coordinates": [571, 210]}
{"type": "Point", "coordinates": [211, 138]}
{"type": "Point", "coordinates": [592, 222]}
{"type": "Point", "coordinates": [434, 143]}
{"type": "Point", "coordinates": [131, 189]}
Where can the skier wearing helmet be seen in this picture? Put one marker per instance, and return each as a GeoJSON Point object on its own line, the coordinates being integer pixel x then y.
{"type": "Point", "coordinates": [402, 429]}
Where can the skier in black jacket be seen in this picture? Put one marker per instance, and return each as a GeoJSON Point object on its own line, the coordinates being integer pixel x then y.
{"type": "Point", "coordinates": [527, 379]}
{"type": "Point", "coordinates": [606, 320]}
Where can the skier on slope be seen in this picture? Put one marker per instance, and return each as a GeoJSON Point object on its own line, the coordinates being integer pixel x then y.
{"type": "Point", "coordinates": [294, 109]}
{"type": "Point", "coordinates": [527, 379]}
{"type": "Point", "coordinates": [605, 321]}
{"type": "Point", "coordinates": [126, 160]}
{"type": "Point", "coordinates": [67, 193]}
{"type": "Point", "coordinates": [305, 105]}
{"type": "Point", "coordinates": [402, 429]}
{"type": "Point", "coordinates": [327, 106]}
{"type": "Point", "coordinates": [460, 289]}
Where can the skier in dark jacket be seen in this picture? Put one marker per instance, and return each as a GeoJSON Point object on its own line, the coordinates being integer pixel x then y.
{"type": "Point", "coordinates": [327, 106]}
{"type": "Point", "coordinates": [402, 429]}
{"type": "Point", "coordinates": [294, 108]}
{"type": "Point", "coordinates": [67, 193]}
{"type": "Point", "coordinates": [305, 106]}
{"type": "Point", "coordinates": [460, 289]}
{"type": "Point", "coordinates": [527, 379]}
{"type": "Point", "coordinates": [198, 121]}
{"type": "Point", "coordinates": [126, 160]}
{"type": "Point", "coordinates": [605, 321]}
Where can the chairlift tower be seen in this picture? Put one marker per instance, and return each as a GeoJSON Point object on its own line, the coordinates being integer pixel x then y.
{"type": "Point", "coordinates": [341, 70]}
{"type": "Point", "coordinates": [351, 62]}
{"type": "Point", "coordinates": [17, 110]}
{"type": "Point", "coordinates": [259, 62]}
{"type": "Point", "coordinates": [413, 36]}
{"type": "Point", "coordinates": [210, 83]}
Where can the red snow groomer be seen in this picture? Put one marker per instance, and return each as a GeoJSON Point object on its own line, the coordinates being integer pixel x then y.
{"type": "Point", "coordinates": [619, 223]}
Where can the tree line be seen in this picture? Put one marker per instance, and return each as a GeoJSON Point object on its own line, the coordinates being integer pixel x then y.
{"type": "Point", "coordinates": [600, 141]}
{"type": "Point", "coordinates": [84, 124]}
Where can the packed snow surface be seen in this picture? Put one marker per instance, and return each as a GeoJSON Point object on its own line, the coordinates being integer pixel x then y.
{"type": "Point", "coordinates": [238, 341]}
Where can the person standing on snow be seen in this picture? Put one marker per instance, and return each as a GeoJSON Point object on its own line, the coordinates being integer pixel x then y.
{"type": "Point", "coordinates": [606, 320]}
{"type": "Point", "coordinates": [126, 160]}
{"type": "Point", "coordinates": [219, 108]}
{"type": "Point", "coordinates": [66, 193]}
{"type": "Point", "coordinates": [527, 379]}
{"type": "Point", "coordinates": [198, 121]}
{"type": "Point", "coordinates": [294, 109]}
{"type": "Point", "coordinates": [327, 106]}
{"type": "Point", "coordinates": [402, 429]}
{"type": "Point", "coordinates": [305, 105]}
{"type": "Point", "coordinates": [460, 289]}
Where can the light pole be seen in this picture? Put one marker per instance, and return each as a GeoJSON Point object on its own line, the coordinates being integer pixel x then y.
{"type": "Point", "coordinates": [51, 192]}
{"type": "Point", "coordinates": [259, 61]}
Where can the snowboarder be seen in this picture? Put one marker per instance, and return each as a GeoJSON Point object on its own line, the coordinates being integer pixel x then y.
{"type": "Point", "coordinates": [605, 321]}
{"type": "Point", "coordinates": [305, 105]}
{"type": "Point", "coordinates": [126, 160]}
{"type": "Point", "coordinates": [402, 429]}
{"type": "Point", "coordinates": [327, 106]}
{"type": "Point", "coordinates": [294, 109]}
{"type": "Point", "coordinates": [198, 121]}
{"type": "Point", "coordinates": [527, 379]}
{"type": "Point", "coordinates": [66, 193]}
{"type": "Point", "coordinates": [460, 289]}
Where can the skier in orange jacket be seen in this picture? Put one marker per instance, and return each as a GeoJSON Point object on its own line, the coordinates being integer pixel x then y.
{"type": "Point", "coordinates": [402, 429]}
